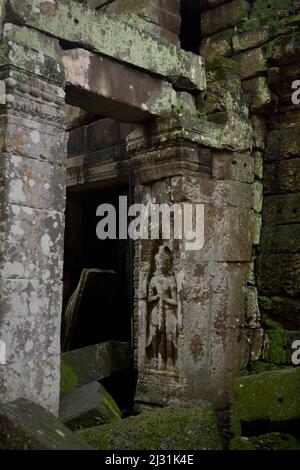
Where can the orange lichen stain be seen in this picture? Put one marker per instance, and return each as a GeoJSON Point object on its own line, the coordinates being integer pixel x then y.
{"type": "Point", "coordinates": [30, 179]}
{"type": "Point", "coordinates": [18, 143]}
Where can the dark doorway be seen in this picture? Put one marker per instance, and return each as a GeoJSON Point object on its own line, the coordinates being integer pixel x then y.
{"type": "Point", "coordinates": [105, 313]}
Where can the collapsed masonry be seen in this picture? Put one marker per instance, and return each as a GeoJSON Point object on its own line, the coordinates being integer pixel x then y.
{"type": "Point", "coordinates": [139, 109]}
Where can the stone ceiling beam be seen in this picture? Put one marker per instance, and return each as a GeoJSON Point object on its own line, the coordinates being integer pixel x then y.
{"type": "Point", "coordinates": [106, 87]}
{"type": "Point", "coordinates": [108, 35]}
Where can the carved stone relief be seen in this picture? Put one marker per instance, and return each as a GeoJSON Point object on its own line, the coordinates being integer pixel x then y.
{"type": "Point", "coordinates": [162, 315]}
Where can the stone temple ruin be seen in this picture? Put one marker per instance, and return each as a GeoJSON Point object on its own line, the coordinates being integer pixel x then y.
{"type": "Point", "coordinates": [164, 102]}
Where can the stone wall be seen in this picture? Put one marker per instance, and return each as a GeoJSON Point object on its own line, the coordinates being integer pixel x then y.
{"type": "Point", "coordinates": [160, 17]}
{"type": "Point", "coordinates": [262, 38]}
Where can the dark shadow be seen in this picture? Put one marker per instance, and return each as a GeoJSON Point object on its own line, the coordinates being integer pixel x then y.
{"type": "Point", "coordinates": [190, 35]}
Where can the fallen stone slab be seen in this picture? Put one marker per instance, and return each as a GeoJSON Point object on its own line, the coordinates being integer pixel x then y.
{"type": "Point", "coordinates": [27, 426]}
{"type": "Point", "coordinates": [270, 400]}
{"type": "Point", "coordinates": [82, 319]}
{"type": "Point", "coordinates": [271, 441]}
{"type": "Point", "coordinates": [88, 406]}
{"type": "Point", "coordinates": [176, 428]}
{"type": "Point", "coordinates": [96, 362]}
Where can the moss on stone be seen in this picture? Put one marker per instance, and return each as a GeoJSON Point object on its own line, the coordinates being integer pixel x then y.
{"type": "Point", "coordinates": [267, 304]}
{"type": "Point", "coordinates": [68, 378]}
{"type": "Point", "coordinates": [271, 441]}
{"type": "Point", "coordinates": [260, 367]}
{"type": "Point", "coordinates": [223, 64]}
{"type": "Point", "coordinates": [267, 8]}
{"type": "Point", "coordinates": [274, 350]}
{"type": "Point", "coordinates": [272, 397]}
{"type": "Point", "coordinates": [177, 428]}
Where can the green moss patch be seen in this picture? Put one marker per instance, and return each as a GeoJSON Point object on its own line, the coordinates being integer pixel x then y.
{"type": "Point", "coordinates": [271, 397]}
{"type": "Point", "coordinates": [177, 428]}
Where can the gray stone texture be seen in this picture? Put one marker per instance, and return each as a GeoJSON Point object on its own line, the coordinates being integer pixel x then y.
{"type": "Point", "coordinates": [87, 406]}
{"type": "Point", "coordinates": [33, 146]}
{"type": "Point", "coordinates": [27, 426]}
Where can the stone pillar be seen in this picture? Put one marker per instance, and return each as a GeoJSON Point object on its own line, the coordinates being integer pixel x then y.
{"type": "Point", "coordinates": [205, 326]}
{"type": "Point", "coordinates": [32, 204]}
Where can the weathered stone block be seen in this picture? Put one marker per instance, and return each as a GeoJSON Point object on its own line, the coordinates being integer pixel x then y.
{"type": "Point", "coordinates": [250, 39]}
{"type": "Point", "coordinates": [278, 345]}
{"type": "Point", "coordinates": [286, 310]}
{"type": "Point", "coordinates": [283, 143]}
{"type": "Point", "coordinates": [41, 248]}
{"type": "Point", "coordinates": [154, 11]}
{"type": "Point", "coordinates": [279, 274]}
{"type": "Point", "coordinates": [259, 131]}
{"type": "Point", "coordinates": [252, 62]}
{"type": "Point", "coordinates": [32, 39]}
{"type": "Point", "coordinates": [27, 426]}
{"type": "Point", "coordinates": [282, 177]}
{"type": "Point", "coordinates": [217, 45]}
{"type": "Point", "coordinates": [103, 360]}
{"type": "Point", "coordinates": [281, 239]}
{"type": "Point", "coordinates": [32, 183]}
{"type": "Point", "coordinates": [219, 194]}
{"type": "Point", "coordinates": [27, 137]}
{"type": "Point", "coordinates": [35, 378]}
{"type": "Point", "coordinates": [259, 92]}
{"type": "Point", "coordinates": [233, 167]}
{"type": "Point", "coordinates": [259, 165]}
{"type": "Point", "coordinates": [282, 209]}
{"type": "Point", "coordinates": [227, 85]}
{"type": "Point", "coordinates": [270, 441]}
{"type": "Point", "coordinates": [257, 196]}
{"type": "Point", "coordinates": [33, 146]}
{"type": "Point", "coordinates": [158, 430]}
{"type": "Point", "coordinates": [256, 340]}
{"type": "Point", "coordinates": [263, 8]}
{"type": "Point", "coordinates": [283, 49]}
{"type": "Point", "coordinates": [88, 406]}
{"type": "Point", "coordinates": [84, 26]}
{"type": "Point", "coordinates": [272, 397]}
{"type": "Point", "coordinates": [94, 87]}
{"type": "Point", "coordinates": [257, 228]}
{"type": "Point", "coordinates": [224, 16]}
{"type": "Point", "coordinates": [252, 307]}
{"type": "Point", "coordinates": [281, 79]}
{"type": "Point", "coordinates": [22, 302]}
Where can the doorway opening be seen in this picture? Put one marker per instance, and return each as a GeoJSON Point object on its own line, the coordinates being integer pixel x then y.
{"type": "Point", "coordinates": [105, 305]}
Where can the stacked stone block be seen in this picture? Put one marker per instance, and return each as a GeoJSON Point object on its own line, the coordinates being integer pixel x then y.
{"type": "Point", "coordinates": [262, 38]}
{"type": "Point", "coordinates": [32, 146]}
{"type": "Point", "coordinates": [159, 17]}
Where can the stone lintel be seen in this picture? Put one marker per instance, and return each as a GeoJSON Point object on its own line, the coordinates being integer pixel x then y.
{"type": "Point", "coordinates": [108, 35]}
{"type": "Point", "coordinates": [234, 135]}
{"type": "Point", "coordinates": [102, 85]}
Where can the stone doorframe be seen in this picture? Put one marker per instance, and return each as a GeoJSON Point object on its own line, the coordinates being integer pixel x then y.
{"type": "Point", "coordinates": [178, 157]}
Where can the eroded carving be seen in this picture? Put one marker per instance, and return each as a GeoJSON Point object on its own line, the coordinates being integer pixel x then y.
{"type": "Point", "coordinates": [162, 322]}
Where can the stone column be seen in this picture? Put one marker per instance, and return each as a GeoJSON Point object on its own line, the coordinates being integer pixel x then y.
{"type": "Point", "coordinates": [32, 204]}
{"type": "Point", "coordinates": [206, 320]}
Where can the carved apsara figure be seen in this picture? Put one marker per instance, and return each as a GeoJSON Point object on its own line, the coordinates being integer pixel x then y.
{"type": "Point", "coordinates": [163, 321]}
